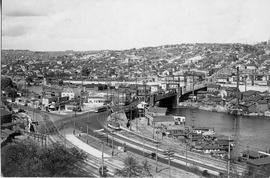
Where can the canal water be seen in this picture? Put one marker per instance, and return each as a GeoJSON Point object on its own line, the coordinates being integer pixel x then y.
{"type": "Point", "coordinates": [254, 132]}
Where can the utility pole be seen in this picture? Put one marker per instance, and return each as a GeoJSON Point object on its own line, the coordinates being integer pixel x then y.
{"type": "Point", "coordinates": [237, 79]}
{"type": "Point", "coordinates": [74, 122]}
{"type": "Point", "coordinates": [169, 153]}
{"type": "Point", "coordinates": [153, 130]}
{"type": "Point", "coordinates": [245, 83]}
{"type": "Point", "coordinates": [170, 165]}
{"type": "Point", "coordinates": [102, 157]}
{"type": "Point", "coordinates": [65, 138]}
{"type": "Point", "coordinates": [229, 157]}
{"type": "Point", "coordinates": [144, 80]}
{"type": "Point", "coordinates": [193, 92]}
{"type": "Point", "coordinates": [81, 92]}
{"type": "Point", "coordinates": [156, 157]}
{"type": "Point", "coordinates": [186, 154]}
{"type": "Point", "coordinates": [112, 144]}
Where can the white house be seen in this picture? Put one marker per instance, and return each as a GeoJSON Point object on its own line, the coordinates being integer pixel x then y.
{"type": "Point", "coordinates": [70, 93]}
{"type": "Point", "coordinates": [154, 88]}
{"type": "Point", "coordinates": [251, 67]}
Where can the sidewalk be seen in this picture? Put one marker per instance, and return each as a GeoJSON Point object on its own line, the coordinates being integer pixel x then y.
{"type": "Point", "coordinates": [85, 147]}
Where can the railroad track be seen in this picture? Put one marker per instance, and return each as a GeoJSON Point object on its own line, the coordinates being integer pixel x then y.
{"type": "Point", "coordinates": [192, 155]}
{"type": "Point", "coordinates": [204, 163]}
{"type": "Point", "coordinates": [91, 164]}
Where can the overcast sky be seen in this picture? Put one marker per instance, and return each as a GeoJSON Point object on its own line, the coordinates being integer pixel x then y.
{"type": "Point", "coordinates": [123, 24]}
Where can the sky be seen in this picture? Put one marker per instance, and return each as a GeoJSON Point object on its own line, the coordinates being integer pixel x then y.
{"type": "Point", "coordinates": [52, 25]}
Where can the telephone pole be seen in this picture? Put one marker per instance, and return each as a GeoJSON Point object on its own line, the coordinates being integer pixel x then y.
{"type": "Point", "coordinates": [157, 155]}
{"type": "Point", "coordinates": [102, 159]}
{"type": "Point", "coordinates": [229, 157]}
{"type": "Point", "coordinates": [170, 154]}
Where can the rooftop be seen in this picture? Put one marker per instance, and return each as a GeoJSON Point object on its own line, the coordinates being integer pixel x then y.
{"type": "Point", "coordinates": [157, 110]}
{"type": "Point", "coordinates": [163, 118]}
{"type": "Point", "coordinates": [260, 161]}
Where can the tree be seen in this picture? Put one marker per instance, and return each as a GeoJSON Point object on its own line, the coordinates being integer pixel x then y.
{"type": "Point", "coordinates": [134, 169]}
{"type": "Point", "coordinates": [85, 71]}
{"type": "Point", "coordinates": [262, 171]}
{"type": "Point", "coordinates": [29, 80]}
{"type": "Point", "coordinates": [146, 167]}
{"type": "Point", "coordinates": [61, 82]}
{"type": "Point", "coordinates": [30, 160]}
{"type": "Point", "coordinates": [6, 82]}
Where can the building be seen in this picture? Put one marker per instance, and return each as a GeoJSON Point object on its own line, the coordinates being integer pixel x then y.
{"type": "Point", "coordinates": [143, 92]}
{"type": "Point", "coordinates": [251, 67]}
{"type": "Point", "coordinates": [265, 161]}
{"type": "Point", "coordinates": [250, 154]}
{"type": "Point", "coordinates": [249, 107]}
{"type": "Point", "coordinates": [69, 93]}
{"type": "Point", "coordinates": [6, 117]}
{"type": "Point", "coordinates": [163, 121]}
{"type": "Point", "coordinates": [176, 130]}
{"type": "Point", "coordinates": [262, 105]}
{"type": "Point", "coordinates": [222, 80]}
{"type": "Point", "coordinates": [213, 87]}
{"type": "Point", "coordinates": [157, 111]}
{"type": "Point", "coordinates": [154, 88]}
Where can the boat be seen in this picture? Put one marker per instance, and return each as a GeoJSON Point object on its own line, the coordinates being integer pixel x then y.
{"type": "Point", "coordinates": [201, 130]}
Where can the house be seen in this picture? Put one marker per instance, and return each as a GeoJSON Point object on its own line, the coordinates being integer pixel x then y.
{"type": "Point", "coordinates": [232, 91]}
{"type": "Point", "coordinates": [69, 93]}
{"type": "Point", "coordinates": [260, 161]}
{"type": "Point", "coordinates": [213, 87]}
{"type": "Point", "coordinates": [154, 88]}
{"type": "Point", "coordinates": [262, 105]}
{"type": "Point", "coordinates": [6, 116]}
{"type": "Point", "coordinates": [248, 107]}
{"type": "Point", "coordinates": [70, 107]}
{"type": "Point", "coordinates": [250, 154]}
{"type": "Point", "coordinates": [246, 96]}
{"type": "Point", "coordinates": [157, 111]}
{"type": "Point", "coordinates": [251, 67]}
{"type": "Point", "coordinates": [222, 79]}
{"type": "Point", "coordinates": [176, 130]}
{"type": "Point", "coordinates": [224, 144]}
{"type": "Point", "coordinates": [211, 149]}
{"type": "Point", "coordinates": [143, 91]}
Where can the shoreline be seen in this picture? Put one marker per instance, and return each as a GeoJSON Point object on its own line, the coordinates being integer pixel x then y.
{"type": "Point", "coordinates": [217, 109]}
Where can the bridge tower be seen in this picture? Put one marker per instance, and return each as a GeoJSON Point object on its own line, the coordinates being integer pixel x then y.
{"type": "Point", "coordinates": [175, 83]}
